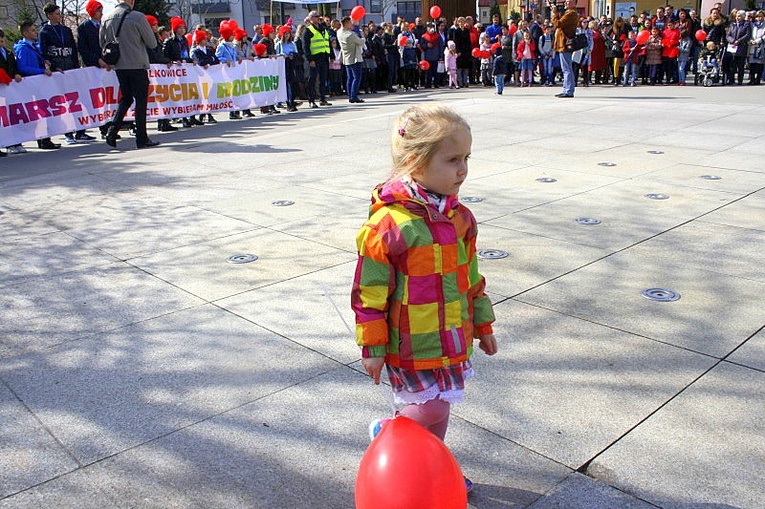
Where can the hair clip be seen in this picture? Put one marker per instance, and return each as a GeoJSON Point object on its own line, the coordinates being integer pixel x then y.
{"type": "Point", "coordinates": [402, 129]}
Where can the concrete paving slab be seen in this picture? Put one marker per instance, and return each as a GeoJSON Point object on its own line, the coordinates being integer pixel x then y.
{"type": "Point", "coordinates": [29, 454]}
{"type": "Point", "coordinates": [581, 492]}
{"type": "Point", "coordinates": [708, 246]}
{"type": "Point", "coordinates": [626, 214]}
{"type": "Point", "coordinates": [691, 175]}
{"type": "Point", "coordinates": [116, 390]}
{"type": "Point", "coordinates": [311, 320]}
{"type": "Point", "coordinates": [751, 353]}
{"type": "Point", "coordinates": [15, 224]}
{"type": "Point", "coordinates": [566, 388]}
{"type": "Point", "coordinates": [705, 447]}
{"type": "Point", "coordinates": [533, 260]}
{"type": "Point", "coordinates": [748, 212]}
{"type": "Point", "coordinates": [42, 312]}
{"type": "Point", "coordinates": [609, 292]}
{"type": "Point", "coordinates": [202, 270]}
{"type": "Point", "coordinates": [26, 257]}
{"type": "Point", "coordinates": [72, 185]}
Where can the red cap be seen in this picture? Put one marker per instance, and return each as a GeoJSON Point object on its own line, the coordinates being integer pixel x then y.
{"type": "Point", "coordinates": [177, 22]}
{"type": "Point", "coordinates": [199, 36]}
{"type": "Point", "coordinates": [240, 33]}
{"type": "Point", "coordinates": [92, 6]}
{"type": "Point", "coordinates": [152, 20]}
{"type": "Point", "coordinates": [267, 29]}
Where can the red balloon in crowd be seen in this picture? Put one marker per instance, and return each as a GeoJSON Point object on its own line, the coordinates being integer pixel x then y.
{"type": "Point", "coordinates": [402, 41]}
{"type": "Point", "coordinates": [642, 36]}
{"type": "Point", "coordinates": [358, 12]}
{"type": "Point", "coordinates": [674, 52]}
{"type": "Point", "coordinates": [424, 65]}
{"type": "Point", "coordinates": [476, 53]}
{"type": "Point", "coordinates": [701, 35]}
{"type": "Point", "coordinates": [407, 467]}
{"type": "Point", "coordinates": [233, 24]}
{"type": "Point", "coordinates": [435, 12]}
{"type": "Point", "coordinates": [260, 49]}
{"type": "Point", "coordinates": [189, 39]}
{"type": "Point", "coordinates": [512, 29]}
{"type": "Point", "coordinates": [495, 47]}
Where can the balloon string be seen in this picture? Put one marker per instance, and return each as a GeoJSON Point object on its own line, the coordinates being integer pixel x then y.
{"type": "Point", "coordinates": [388, 396]}
{"type": "Point", "coordinates": [326, 294]}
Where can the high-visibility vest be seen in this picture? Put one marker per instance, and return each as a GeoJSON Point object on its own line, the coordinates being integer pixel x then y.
{"type": "Point", "coordinates": [319, 41]}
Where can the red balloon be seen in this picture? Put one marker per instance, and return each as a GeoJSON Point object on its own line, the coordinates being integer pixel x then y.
{"type": "Point", "coordinates": [189, 39]}
{"type": "Point", "coordinates": [435, 12]}
{"type": "Point", "coordinates": [358, 12]}
{"type": "Point", "coordinates": [476, 53]}
{"type": "Point", "coordinates": [674, 52]}
{"type": "Point", "coordinates": [402, 41]}
{"type": "Point", "coordinates": [424, 65]}
{"type": "Point", "coordinates": [485, 54]}
{"type": "Point", "coordinates": [495, 47]}
{"type": "Point", "coordinates": [260, 49]}
{"type": "Point", "coordinates": [512, 29]}
{"type": "Point", "coordinates": [642, 36]}
{"type": "Point", "coordinates": [407, 467]}
{"type": "Point", "coordinates": [701, 35]}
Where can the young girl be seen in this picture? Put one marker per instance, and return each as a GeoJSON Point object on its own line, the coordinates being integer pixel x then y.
{"type": "Point", "coordinates": [417, 294]}
{"type": "Point", "coordinates": [409, 66]}
{"type": "Point", "coordinates": [450, 61]}
{"type": "Point", "coordinates": [526, 50]}
{"type": "Point", "coordinates": [285, 46]}
{"type": "Point", "coordinates": [653, 55]}
{"type": "Point", "coordinates": [335, 68]}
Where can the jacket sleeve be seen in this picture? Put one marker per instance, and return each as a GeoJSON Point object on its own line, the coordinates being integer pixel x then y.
{"type": "Point", "coordinates": [483, 313]}
{"type": "Point", "coordinates": [373, 284]}
{"type": "Point", "coordinates": [307, 34]}
{"type": "Point", "coordinates": [27, 63]}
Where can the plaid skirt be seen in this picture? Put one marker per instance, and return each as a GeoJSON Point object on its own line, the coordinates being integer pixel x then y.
{"type": "Point", "coordinates": [419, 386]}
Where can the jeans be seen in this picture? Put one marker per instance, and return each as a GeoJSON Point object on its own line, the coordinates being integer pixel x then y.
{"type": "Point", "coordinates": [354, 80]}
{"type": "Point", "coordinates": [682, 69]}
{"type": "Point", "coordinates": [320, 71]}
{"type": "Point", "coordinates": [547, 70]}
{"type": "Point", "coordinates": [630, 72]}
{"type": "Point", "coordinates": [499, 82]}
{"type": "Point", "coordinates": [567, 67]}
{"type": "Point", "coordinates": [134, 86]}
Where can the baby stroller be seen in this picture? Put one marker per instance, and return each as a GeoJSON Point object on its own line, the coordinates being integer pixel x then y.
{"type": "Point", "coordinates": [708, 70]}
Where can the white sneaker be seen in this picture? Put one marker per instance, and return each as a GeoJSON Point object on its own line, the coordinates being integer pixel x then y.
{"type": "Point", "coordinates": [17, 149]}
{"type": "Point", "coordinates": [69, 141]}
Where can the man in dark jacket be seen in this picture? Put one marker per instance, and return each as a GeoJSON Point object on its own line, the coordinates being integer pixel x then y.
{"type": "Point", "coordinates": [132, 67]}
{"type": "Point", "coordinates": [59, 48]}
{"type": "Point", "coordinates": [316, 48]}
{"type": "Point", "coordinates": [87, 42]}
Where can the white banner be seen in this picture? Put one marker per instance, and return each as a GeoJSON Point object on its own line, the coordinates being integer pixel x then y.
{"type": "Point", "coordinates": [43, 106]}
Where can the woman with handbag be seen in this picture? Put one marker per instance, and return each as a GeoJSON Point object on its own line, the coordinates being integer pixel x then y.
{"type": "Point", "coordinates": [565, 28]}
{"type": "Point", "coordinates": [757, 49]}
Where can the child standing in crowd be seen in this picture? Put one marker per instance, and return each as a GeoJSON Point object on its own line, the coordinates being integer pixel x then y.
{"type": "Point", "coordinates": [417, 317]}
{"type": "Point", "coordinates": [409, 58]}
{"type": "Point", "coordinates": [526, 51]}
{"type": "Point", "coordinates": [546, 54]}
{"type": "Point", "coordinates": [176, 48]}
{"type": "Point", "coordinates": [683, 57]}
{"type": "Point", "coordinates": [499, 71]}
{"type": "Point", "coordinates": [631, 50]}
{"type": "Point", "coordinates": [486, 62]}
{"type": "Point", "coordinates": [285, 47]}
{"type": "Point", "coordinates": [335, 68]}
{"type": "Point", "coordinates": [450, 61]}
{"type": "Point", "coordinates": [653, 50]}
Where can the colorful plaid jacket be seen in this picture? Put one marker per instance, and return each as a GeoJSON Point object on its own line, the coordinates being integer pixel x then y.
{"type": "Point", "coordinates": [417, 294]}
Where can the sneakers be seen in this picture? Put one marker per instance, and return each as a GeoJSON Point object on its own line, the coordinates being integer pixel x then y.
{"type": "Point", "coordinates": [375, 427]}
{"type": "Point", "coordinates": [69, 140]}
{"type": "Point", "coordinates": [468, 485]}
{"type": "Point", "coordinates": [17, 149]}
{"type": "Point", "coordinates": [84, 138]}
{"type": "Point", "coordinates": [323, 102]}
{"type": "Point", "coordinates": [46, 144]}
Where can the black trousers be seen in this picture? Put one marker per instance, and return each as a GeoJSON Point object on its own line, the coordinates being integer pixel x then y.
{"type": "Point", "coordinates": [320, 71]}
{"type": "Point", "coordinates": [134, 86]}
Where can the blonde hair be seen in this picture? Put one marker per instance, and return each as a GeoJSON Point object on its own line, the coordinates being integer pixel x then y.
{"type": "Point", "coordinates": [417, 134]}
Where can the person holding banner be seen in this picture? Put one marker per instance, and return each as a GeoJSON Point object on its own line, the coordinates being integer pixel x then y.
{"type": "Point", "coordinates": [88, 45]}
{"type": "Point", "coordinates": [132, 67]}
{"type": "Point", "coordinates": [59, 48]}
{"type": "Point", "coordinates": [8, 66]}
{"type": "Point", "coordinates": [316, 48]}
{"type": "Point", "coordinates": [30, 62]}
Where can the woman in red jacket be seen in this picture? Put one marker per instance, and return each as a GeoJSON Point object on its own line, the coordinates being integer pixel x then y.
{"type": "Point", "coordinates": [598, 55]}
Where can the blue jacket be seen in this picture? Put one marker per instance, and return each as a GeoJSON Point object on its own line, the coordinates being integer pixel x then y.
{"type": "Point", "coordinates": [226, 53]}
{"type": "Point", "coordinates": [29, 59]}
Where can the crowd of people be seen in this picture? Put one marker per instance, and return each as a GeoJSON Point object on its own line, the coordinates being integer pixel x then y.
{"type": "Point", "coordinates": [328, 58]}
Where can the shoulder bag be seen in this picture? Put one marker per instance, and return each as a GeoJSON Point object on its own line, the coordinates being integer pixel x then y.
{"type": "Point", "coordinates": [111, 52]}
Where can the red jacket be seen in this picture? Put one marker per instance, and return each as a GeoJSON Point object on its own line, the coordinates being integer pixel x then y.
{"type": "Point", "coordinates": [522, 46]}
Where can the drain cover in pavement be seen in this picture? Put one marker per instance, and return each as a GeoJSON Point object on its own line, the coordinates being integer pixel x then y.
{"type": "Point", "coordinates": [471, 199]}
{"type": "Point", "coordinates": [492, 254]}
{"type": "Point", "coordinates": [282, 203]}
{"type": "Point", "coordinates": [588, 221]}
{"type": "Point", "coordinates": [657, 196]}
{"type": "Point", "coordinates": [241, 258]}
{"type": "Point", "coordinates": [710, 177]}
{"type": "Point", "coordinates": [655, 152]}
{"type": "Point", "coordinates": [606, 164]}
{"type": "Point", "coordinates": [660, 294]}
{"type": "Point", "coordinates": [547, 180]}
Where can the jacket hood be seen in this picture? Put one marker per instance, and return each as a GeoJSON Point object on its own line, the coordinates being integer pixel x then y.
{"type": "Point", "coordinates": [19, 44]}
{"type": "Point", "coordinates": [397, 193]}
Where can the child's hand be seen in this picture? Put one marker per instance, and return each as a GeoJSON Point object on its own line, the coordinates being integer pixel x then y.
{"type": "Point", "coordinates": [373, 366]}
{"type": "Point", "coordinates": [488, 344]}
